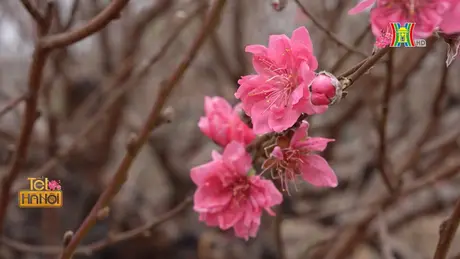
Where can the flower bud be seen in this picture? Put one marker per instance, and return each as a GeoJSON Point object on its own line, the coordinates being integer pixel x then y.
{"type": "Point", "coordinates": [279, 5]}
{"type": "Point", "coordinates": [325, 89]}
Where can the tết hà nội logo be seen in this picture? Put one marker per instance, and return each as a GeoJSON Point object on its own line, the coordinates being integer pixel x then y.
{"type": "Point", "coordinates": [42, 193]}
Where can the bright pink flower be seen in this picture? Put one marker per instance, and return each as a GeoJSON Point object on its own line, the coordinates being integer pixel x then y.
{"type": "Point", "coordinates": [324, 89]}
{"type": "Point", "coordinates": [450, 23]}
{"type": "Point", "coordinates": [228, 196]}
{"type": "Point", "coordinates": [223, 124]}
{"type": "Point", "coordinates": [292, 158]}
{"type": "Point", "coordinates": [427, 15]}
{"type": "Point", "coordinates": [278, 94]}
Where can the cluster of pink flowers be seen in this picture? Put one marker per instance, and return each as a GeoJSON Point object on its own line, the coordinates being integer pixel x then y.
{"type": "Point", "coordinates": [428, 15]}
{"type": "Point", "coordinates": [230, 193]}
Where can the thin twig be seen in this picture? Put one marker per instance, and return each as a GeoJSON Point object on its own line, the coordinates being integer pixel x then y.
{"type": "Point", "coordinates": [28, 120]}
{"type": "Point", "coordinates": [238, 33]}
{"type": "Point", "coordinates": [12, 104]}
{"type": "Point", "coordinates": [329, 33]}
{"type": "Point", "coordinates": [36, 15]}
{"type": "Point", "coordinates": [369, 63]}
{"type": "Point", "coordinates": [135, 144]}
{"type": "Point", "coordinates": [97, 23]}
{"type": "Point", "coordinates": [99, 245]}
{"type": "Point", "coordinates": [114, 96]}
{"type": "Point", "coordinates": [447, 232]}
{"type": "Point", "coordinates": [279, 234]}
{"type": "Point", "coordinates": [435, 117]}
{"type": "Point", "coordinates": [382, 158]}
{"type": "Point", "coordinates": [73, 12]}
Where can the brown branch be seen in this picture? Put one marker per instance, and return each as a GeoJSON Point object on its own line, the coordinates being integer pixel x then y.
{"type": "Point", "coordinates": [36, 15]}
{"type": "Point", "coordinates": [367, 64]}
{"type": "Point", "coordinates": [136, 144]}
{"type": "Point", "coordinates": [382, 157]}
{"type": "Point", "coordinates": [238, 33]}
{"type": "Point", "coordinates": [113, 98]}
{"type": "Point", "coordinates": [30, 115]}
{"type": "Point", "coordinates": [99, 245]}
{"type": "Point", "coordinates": [435, 113]}
{"type": "Point", "coordinates": [329, 33]}
{"type": "Point", "coordinates": [97, 23]}
{"type": "Point", "coordinates": [12, 104]}
{"type": "Point", "coordinates": [280, 248]}
{"type": "Point", "coordinates": [447, 232]}
{"type": "Point", "coordinates": [356, 43]}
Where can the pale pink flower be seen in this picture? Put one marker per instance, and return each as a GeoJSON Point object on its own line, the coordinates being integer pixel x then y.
{"type": "Point", "coordinates": [228, 196]}
{"type": "Point", "coordinates": [223, 124]}
{"type": "Point", "coordinates": [278, 94]}
{"type": "Point", "coordinates": [292, 158]}
{"type": "Point", "coordinates": [325, 89]}
{"type": "Point", "coordinates": [427, 15]}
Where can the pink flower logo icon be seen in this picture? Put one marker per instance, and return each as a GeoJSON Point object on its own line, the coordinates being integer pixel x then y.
{"type": "Point", "coordinates": [54, 185]}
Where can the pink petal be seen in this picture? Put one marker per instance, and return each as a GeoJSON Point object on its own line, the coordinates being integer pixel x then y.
{"type": "Point", "coordinates": [284, 122]}
{"type": "Point", "coordinates": [361, 6]}
{"type": "Point", "coordinates": [259, 118]}
{"type": "Point", "coordinates": [199, 174]}
{"type": "Point", "coordinates": [206, 199]}
{"type": "Point", "coordinates": [229, 218]}
{"type": "Point", "coordinates": [278, 45]}
{"type": "Point", "coordinates": [203, 124]}
{"type": "Point", "coordinates": [277, 153]}
{"type": "Point", "coordinates": [216, 104]}
{"type": "Point", "coordinates": [317, 171]}
{"type": "Point", "coordinates": [300, 133]}
{"type": "Point", "coordinates": [301, 35]}
{"type": "Point", "coordinates": [237, 158]}
{"type": "Point", "coordinates": [450, 23]}
{"type": "Point", "coordinates": [259, 50]}
{"type": "Point", "coordinates": [314, 144]}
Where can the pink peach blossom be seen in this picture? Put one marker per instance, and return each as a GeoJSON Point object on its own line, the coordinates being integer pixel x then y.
{"type": "Point", "coordinates": [428, 15]}
{"type": "Point", "coordinates": [278, 94]}
{"type": "Point", "coordinates": [228, 196]}
{"type": "Point", "coordinates": [295, 157]}
{"type": "Point", "coordinates": [223, 124]}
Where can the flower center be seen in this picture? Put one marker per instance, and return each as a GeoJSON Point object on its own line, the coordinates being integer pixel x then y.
{"type": "Point", "coordinates": [282, 80]}
{"type": "Point", "coordinates": [240, 190]}
{"type": "Point", "coordinates": [287, 170]}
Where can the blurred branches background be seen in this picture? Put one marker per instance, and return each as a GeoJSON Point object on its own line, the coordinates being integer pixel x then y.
{"type": "Point", "coordinates": [96, 92]}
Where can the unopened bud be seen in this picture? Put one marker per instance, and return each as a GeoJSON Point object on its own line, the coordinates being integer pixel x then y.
{"type": "Point", "coordinates": [103, 213]}
{"type": "Point", "coordinates": [279, 5]}
{"type": "Point", "coordinates": [325, 89]}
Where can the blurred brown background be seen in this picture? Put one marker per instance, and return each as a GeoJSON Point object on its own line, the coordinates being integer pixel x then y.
{"type": "Point", "coordinates": [423, 133]}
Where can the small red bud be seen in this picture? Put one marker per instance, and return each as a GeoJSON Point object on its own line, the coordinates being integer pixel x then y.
{"type": "Point", "coordinates": [325, 89]}
{"type": "Point", "coordinates": [279, 5]}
